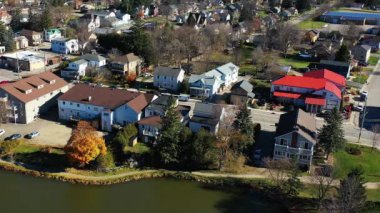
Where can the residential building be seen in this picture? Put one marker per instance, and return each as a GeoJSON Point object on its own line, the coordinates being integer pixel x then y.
{"type": "Point", "coordinates": [149, 128]}
{"type": "Point", "coordinates": [241, 93]}
{"type": "Point", "coordinates": [209, 83]}
{"type": "Point", "coordinates": [23, 61]}
{"type": "Point", "coordinates": [32, 96]}
{"type": "Point", "coordinates": [34, 38]}
{"type": "Point", "coordinates": [128, 65]}
{"type": "Point", "coordinates": [312, 36]}
{"type": "Point", "coordinates": [168, 78]}
{"type": "Point", "coordinates": [21, 42]}
{"type": "Point", "coordinates": [94, 60]}
{"type": "Point", "coordinates": [51, 34]}
{"type": "Point", "coordinates": [64, 45]}
{"type": "Point", "coordinates": [206, 116]}
{"type": "Point", "coordinates": [361, 52]}
{"type": "Point", "coordinates": [107, 105]}
{"type": "Point", "coordinates": [339, 67]}
{"type": "Point", "coordinates": [5, 17]}
{"type": "Point", "coordinates": [296, 137]}
{"type": "Point", "coordinates": [372, 41]}
{"type": "Point", "coordinates": [75, 70]}
{"type": "Point", "coordinates": [316, 91]}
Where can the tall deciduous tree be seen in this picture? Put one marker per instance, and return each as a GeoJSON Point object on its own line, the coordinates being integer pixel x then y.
{"type": "Point", "coordinates": [202, 153]}
{"type": "Point", "coordinates": [351, 193]}
{"type": "Point", "coordinates": [343, 54]}
{"type": "Point", "coordinates": [85, 144]}
{"type": "Point", "coordinates": [331, 135]}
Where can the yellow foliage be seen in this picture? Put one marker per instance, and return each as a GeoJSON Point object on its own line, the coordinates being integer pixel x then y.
{"type": "Point", "coordinates": [85, 144]}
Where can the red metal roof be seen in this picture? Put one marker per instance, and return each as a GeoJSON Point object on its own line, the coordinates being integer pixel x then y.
{"type": "Point", "coordinates": [309, 83]}
{"type": "Point", "coordinates": [315, 101]}
{"type": "Point", "coordinates": [287, 95]}
{"type": "Point", "coordinates": [328, 75]}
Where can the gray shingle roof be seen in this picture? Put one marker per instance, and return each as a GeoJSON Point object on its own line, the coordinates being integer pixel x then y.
{"type": "Point", "coordinates": [93, 57]}
{"type": "Point", "coordinates": [167, 71]}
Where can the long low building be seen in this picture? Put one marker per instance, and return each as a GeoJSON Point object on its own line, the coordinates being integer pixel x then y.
{"type": "Point", "coordinates": [29, 97]}
{"type": "Point", "coordinates": [343, 17]}
{"type": "Point", "coordinates": [107, 105]}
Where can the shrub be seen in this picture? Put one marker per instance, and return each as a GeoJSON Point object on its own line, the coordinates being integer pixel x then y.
{"type": "Point", "coordinates": [105, 161]}
{"type": "Point", "coordinates": [353, 151]}
{"type": "Point", "coordinates": [124, 136]}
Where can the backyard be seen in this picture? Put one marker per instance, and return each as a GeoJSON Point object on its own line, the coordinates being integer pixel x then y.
{"type": "Point", "coordinates": [368, 160]}
{"type": "Point", "coordinates": [310, 24]}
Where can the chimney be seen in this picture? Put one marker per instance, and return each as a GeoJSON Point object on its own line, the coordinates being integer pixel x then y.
{"type": "Point", "coordinates": [89, 98]}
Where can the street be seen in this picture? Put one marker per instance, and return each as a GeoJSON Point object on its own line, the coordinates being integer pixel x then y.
{"type": "Point", "coordinates": [268, 119]}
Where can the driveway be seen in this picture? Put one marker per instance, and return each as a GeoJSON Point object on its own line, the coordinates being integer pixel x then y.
{"type": "Point", "coordinates": [52, 133]}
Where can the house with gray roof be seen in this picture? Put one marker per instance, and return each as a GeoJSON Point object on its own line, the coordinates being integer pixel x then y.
{"type": "Point", "coordinates": [75, 69]}
{"type": "Point", "coordinates": [168, 78]}
{"type": "Point", "coordinates": [296, 137]}
{"type": "Point", "coordinates": [208, 84]}
{"type": "Point", "coordinates": [206, 116]}
{"type": "Point", "coordinates": [94, 60]}
{"type": "Point", "coordinates": [241, 93]}
{"type": "Point", "coordinates": [361, 52]}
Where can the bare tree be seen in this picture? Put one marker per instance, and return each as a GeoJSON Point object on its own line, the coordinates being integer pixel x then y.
{"type": "Point", "coordinates": [61, 15]}
{"type": "Point", "coordinates": [4, 104]}
{"type": "Point", "coordinates": [323, 181]}
{"type": "Point", "coordinates": [283, 37]}
{"type": "Point", "coordinates": [83, 35]}
{"type": "Point", "coordinates": [376, 132]}
{"type": "Point", "coordinates": [279, 171]}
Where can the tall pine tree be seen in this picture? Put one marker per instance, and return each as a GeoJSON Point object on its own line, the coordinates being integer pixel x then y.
{"type": "Point", "coordinates": [6, 36]}
{"type": "Point", "coordinates": [343, 54]}
{"type": "Point", "coordinates": [331, 135]}
{"type": "Point", "coordinates": [243, 121]}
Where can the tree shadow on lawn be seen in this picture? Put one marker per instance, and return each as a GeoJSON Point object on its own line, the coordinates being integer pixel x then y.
{"type": "Point", "coordinates": [43, 161]}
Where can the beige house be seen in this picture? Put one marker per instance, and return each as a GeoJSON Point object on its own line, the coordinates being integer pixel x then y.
{"type": "Point", "coordinates": [241, 93]}
{"type": "Point", "coordinates": [35, 38]}
{"type": "Point", "coordinates": [127, 65]}
{"type": "Point", "coordinates": [21, 42]}
{"type": "Point", "coordinates": [29, 97]}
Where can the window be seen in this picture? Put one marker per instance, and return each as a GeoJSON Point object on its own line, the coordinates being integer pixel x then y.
{"type": "Point", "coordinates": [306, 145]}
{"type": "Point", "coordinates": [283, 142]}
{"type": "Point", "coordinates": [95, 108]}
{"type": "Point", "coordinates": [78, 105]}
{"type": "Point", "coordinates": [63, 103]}
{"type": "Point", "coordinates": [62, 110]}
{"type": "Point", "coordinates": [71, 103]}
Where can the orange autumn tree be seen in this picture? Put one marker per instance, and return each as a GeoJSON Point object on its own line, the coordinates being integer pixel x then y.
{"type": "Point", "coordinates": [84, 144]}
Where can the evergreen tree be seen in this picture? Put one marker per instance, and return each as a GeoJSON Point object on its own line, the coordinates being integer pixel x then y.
{"type": "Point", "coordinates": [343, 54]}
{"type": "Point", "coordinates": [16, 24]}
{"type": "Point", "coordinates": [352, 193]}
{"type": "Point", "coordinates": [331, 135]}
{"type": "Point", "coordinates": [243, 121]}
{"type": "Point", "coordinates": [303, 5]}
{"type": "Point", "coordinates": [6, 36]}
{"type": "Point", "coordinates": [46, 21]}
{"type": "Point", "coordinates": [287, 4]}
{"type": "Point", "coordinates": [293, 184]}
{"type": "Point", "coordinates": [202, 150]}
{"type": "Point", "coordinates": [169, 147]}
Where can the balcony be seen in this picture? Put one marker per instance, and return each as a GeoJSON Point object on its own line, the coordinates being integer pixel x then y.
{"type": "Point", "coordinates": [150, 133]}
{"type": "Point", "coordinates": [291, 150]}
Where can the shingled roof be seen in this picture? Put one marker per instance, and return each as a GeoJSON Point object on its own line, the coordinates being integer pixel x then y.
{"type": "Point", "coordinates": [33, 87]}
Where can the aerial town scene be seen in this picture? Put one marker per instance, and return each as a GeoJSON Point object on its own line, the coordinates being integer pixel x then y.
{"type": "Point", "coordinates": [189, 106]}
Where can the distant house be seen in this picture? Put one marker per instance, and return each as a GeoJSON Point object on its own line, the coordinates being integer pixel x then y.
{"type": "Point", "coordinates": [32, 96]}
{"type": "Point", "coordinates": [21, 42]}
{"type": "Point", "coordinates": [361, 52]}
{"type": "Point", "coordinates": [94, 60]}
{"type": "Point", "coordinates": [23, 61]}
{"type": "Point", "coordinates": [75, 69]}
{"type": "Point", "coordinates": [241, 93]}
{"type": "Point", "coordinates": [341, 68]}
{"type": "Point", "coordinates": [296, 137]}
{"type": "Point", "coordinates": [206, 116]}
{"type": "Point", "coordinates": [51, 34]}
{"type": "Point", "coordinates": [335, 37]}
{"type": "Point", "coordinates": [64, 45]}
{"type": "Point", "coordinates": [5, 17]}
{"type": "Point", "coordinates": [372, 41]}
{"type": "Point", "coordinates": [312, 36]}
{"type": "Point", "coordinates": [316, 91]}
{"type": "Point", "coordinates": [127, 65]}
{"type": "Point", "coordinates": [168, 78]}
{"type": "Point", "coordinates": [34, 38]}
{"type": "Point", "coordinates": [107, 105]}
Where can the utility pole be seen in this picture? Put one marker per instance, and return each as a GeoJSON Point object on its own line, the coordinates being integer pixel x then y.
{"type": "Point", "coordinates": [363, 117]}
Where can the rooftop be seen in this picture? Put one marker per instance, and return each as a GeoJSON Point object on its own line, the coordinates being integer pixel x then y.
{"type": "Point", "coordinates": [167, 71]}
{"type": "Point", "coordinates": [93, 57]}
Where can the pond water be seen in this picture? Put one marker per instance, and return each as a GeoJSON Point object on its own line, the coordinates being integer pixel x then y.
{"type": "Point", "coordinates": [19, 193]}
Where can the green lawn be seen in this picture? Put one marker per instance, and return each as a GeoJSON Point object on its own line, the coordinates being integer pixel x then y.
{"type": "Point", "coordinates": [139, 148]}
{"type": "Point", "coordinates": [369, 161]}
{"type": "Point", "coordinates": [373, 195]}
{"type": "Point", "coordinates": [309, 24]}
{"type": "Point", "coordinates": [373, 60]}
{"type": "Point", "coordinates": [361, 78]}
{"type": "Point", "coordinates": [294, 62]}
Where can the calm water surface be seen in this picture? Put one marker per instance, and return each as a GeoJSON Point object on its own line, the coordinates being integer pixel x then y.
{"type": "Point", "coordinates": [24, 194]}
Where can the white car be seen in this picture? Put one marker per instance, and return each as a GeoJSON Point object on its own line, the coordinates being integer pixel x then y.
{"type": "Point", "coordinates": [359, 108]}
{"type": "Point", "coordinates": [2, 131]}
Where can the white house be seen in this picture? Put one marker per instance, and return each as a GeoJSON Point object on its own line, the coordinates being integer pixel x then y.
{"type": "Point", "coordinates": [229, 73]}
{"type": "Point", "coordinates": [75, 69]}
{"type": "Point", "coordinates": [295, 138]}
{"type": "Point", "coordinates": [51, 34]}
{"type": "Point", "coordinates": [94, 60]}
{"type": "Point", "coordinates": [107, 105]}
{"type": "Point", "coordinates": [206, 116]}
{"type": "Point", "coordinates": [168, 78]}
{"type": "Point", "coordinates": [64, 45]}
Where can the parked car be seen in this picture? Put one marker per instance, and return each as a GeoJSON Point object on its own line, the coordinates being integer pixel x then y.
{"type": "Point", "coordinates": [2, 131]}
{"type": "Point", "coordinates": [32, 135]}
{"type": "Point", "coordinates": [13, 137]}
{"type": "Point", "coordinates": [363, 95]}
{"type": "Point", "coordinates": [359, 108]}
{"type": "Point", "coordinates": [183, 97]}
{"type": "Point", "coordinates": [363, 64]}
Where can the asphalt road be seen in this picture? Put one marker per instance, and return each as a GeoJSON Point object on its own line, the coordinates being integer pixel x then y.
{"type": "Point", "coordinates": [373, 101]}
{"type": "Point", "coordinates": [268, 119]}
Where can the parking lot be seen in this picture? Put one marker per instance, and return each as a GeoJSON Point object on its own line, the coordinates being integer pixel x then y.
{"type": "Point", "coordinates": [52, 133]}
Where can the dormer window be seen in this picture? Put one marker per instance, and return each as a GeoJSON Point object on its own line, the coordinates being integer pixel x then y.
{"type": "Point", "coordinates": [28, 91]}
{"type": "Point", "coordinates": [40, 86]}
{"type": "Point", "coordinates": [52, 81]}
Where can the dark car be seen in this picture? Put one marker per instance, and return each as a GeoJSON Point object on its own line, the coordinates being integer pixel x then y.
{"type": "Point", "coordinates": [363, 64]}
{"type": "Point", "coordinates": [13, 137]}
